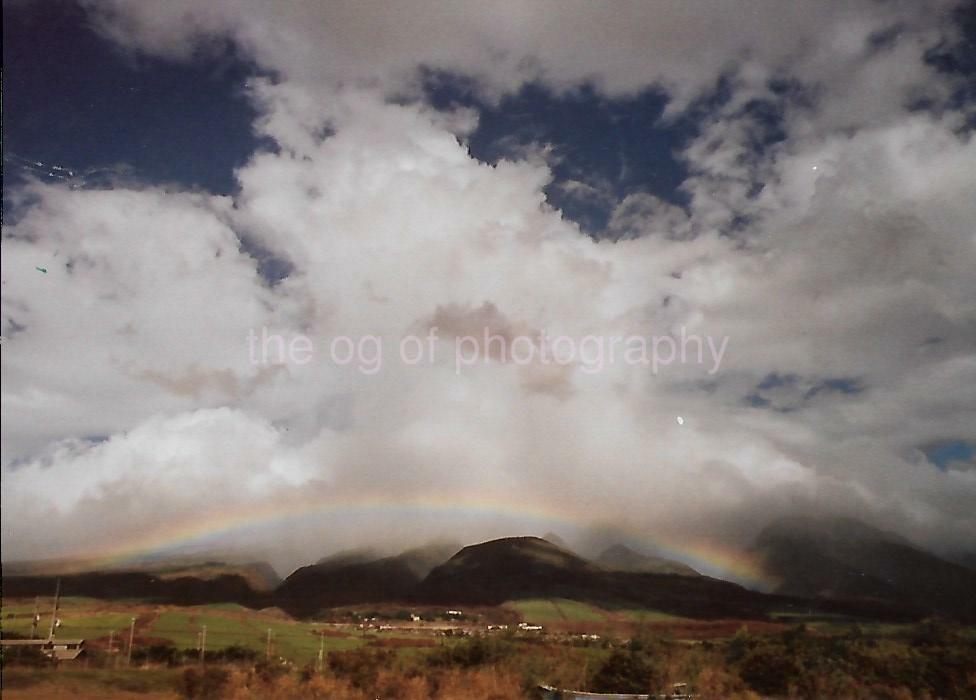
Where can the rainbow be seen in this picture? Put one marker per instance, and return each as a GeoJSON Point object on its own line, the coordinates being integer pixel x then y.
{"type": "Point", "coordinates": [707, 556]}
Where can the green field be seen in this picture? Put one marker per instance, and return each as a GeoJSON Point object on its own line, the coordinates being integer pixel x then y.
{"type": "Point", "coordinates": [541, 610]}
{"type": "Point", "coordinates": [227, 625]}
{"type": "Point", "coordinates": [296, 641]}
{"type": "Point", "coordinates": [93, 625]}
{"type": "Point", "coordinates": [74, 625]}
{"type": "Point", "coordinates": [44, 606]}
{"type": "Point", "coordinates": [183, 629]}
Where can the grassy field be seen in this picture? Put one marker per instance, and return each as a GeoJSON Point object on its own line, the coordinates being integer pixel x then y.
{"type": "Point", "coordinates": [299, 641]}
{"type": "Point", "coordinates": [581, 645]}
{"type": "Point", "coordinates": [25, 608]}
{"type": "Point", "coordinates": [227, 625]}
{"type": "Point", "coordinates": [548, 610]}
{"type": "Point", "coordinates": [542, 610]}
{"type": "Point", "coordinates": [295, 641]}
{"type": "Point", "coordinates": [183, 630]}
{"type": "Point", "coordinates": [80, 625]}
{"type": "Point", "coordinates": [84, 618]}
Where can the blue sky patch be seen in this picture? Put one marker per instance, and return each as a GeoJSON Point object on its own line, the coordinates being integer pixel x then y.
{"type": "Point", "coordinates": [789, 392]}
{"type": "Point", "coordinates": [942, 454]}
{"type": "Point", "coordinates": [74, 101]}
{"type": "Point", "coordinates": [602, 149]}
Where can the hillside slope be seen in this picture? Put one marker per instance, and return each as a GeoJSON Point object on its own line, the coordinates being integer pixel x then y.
{"type": "Point", "coordinates": [349, 580]}
{"type": "Point", "coordinates": [622, 558]}
{"type": "Point", "coordinates": [172, 589]}
{"type": "Point", "coordinates": [528, 567]}
{"type": "Point", "coordinates": [843, 558]}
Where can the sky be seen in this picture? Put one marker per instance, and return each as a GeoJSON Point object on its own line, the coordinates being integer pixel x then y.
{"type": "Point", "coordinates": [254, 256]}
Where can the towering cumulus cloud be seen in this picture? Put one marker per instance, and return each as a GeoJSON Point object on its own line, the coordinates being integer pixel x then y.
{"type": "Point", "coordinates": [160, 388]}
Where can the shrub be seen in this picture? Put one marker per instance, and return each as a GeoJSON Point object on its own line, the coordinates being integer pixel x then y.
{"type": "Point", "coordinates": [717, 684]}
{"type": "Point", "coordinates": [475, 651]}
{"type": "Point", "coordinates": [270, 671]}
{"type": "Point", "coordinates": [326, 688]}
{"type": "Point", "coordinates": [203, 683]}
{"type": "Point", "coordinates": [157, 653]}
{"type": "Point", "coordinates": [770, 670]}
{"type": "Point", "coordinates": [236, 654]}
{"type": "Point", "coordinates": [25, 656]}
{"type": "Point", "coordinates": [629, 671]}
{"type": "Point", "coordinates": [360, 666]}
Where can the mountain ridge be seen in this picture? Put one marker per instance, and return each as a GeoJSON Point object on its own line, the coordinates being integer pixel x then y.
{"type": "Point", "coordinates": [844, 558]}
{"type": "Point", "coordinates": [620, 557]}
{"type": "Point", "coordinates": [822, 564]}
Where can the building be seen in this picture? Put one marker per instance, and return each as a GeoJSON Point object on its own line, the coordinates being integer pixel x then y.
{"type": "Point", "coordinates": [57, 649]}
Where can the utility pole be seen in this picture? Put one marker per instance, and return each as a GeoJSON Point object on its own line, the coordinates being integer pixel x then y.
{"type": "Point", "coordinates": [54, 615]}
{"type": "Point", "coordinates": [111, 649]}
{"type": "Point", "coordinates": [203, 644]}
{"type": "Point", "coordinates": [132, 636]}
{"type": "Point", "coordinates": [321, 650]}
{"type": "Point", "coordinates": [35, 619]}
{"type": "Point", "coordinates": [267, 654]}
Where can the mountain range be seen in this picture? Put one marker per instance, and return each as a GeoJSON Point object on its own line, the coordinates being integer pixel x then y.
{"type": "Point", "coordinates": [530, 567]}
{"type": "Point", "coordinates": [355, 577]}
{"type": "Point", "coordinates": [836, 566]}
{"type": "Point", "coordinates": [846, 559]}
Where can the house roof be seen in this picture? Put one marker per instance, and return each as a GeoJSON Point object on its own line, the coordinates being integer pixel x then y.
{"type": "Point", "coordinates": [67, 654]}
{"type": "Point", "coordinates": [40, 642]}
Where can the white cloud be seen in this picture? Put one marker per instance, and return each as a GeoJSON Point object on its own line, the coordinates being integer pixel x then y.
{"type": "Point", "coordinates": [847, 271]}
{"type": "Point", "coordinates": [683, 46]}
{"type": "Point", "coordinates": [142, 309]}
